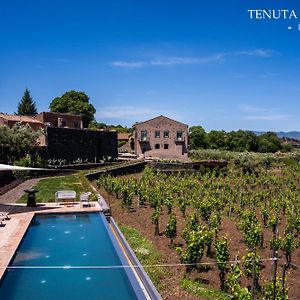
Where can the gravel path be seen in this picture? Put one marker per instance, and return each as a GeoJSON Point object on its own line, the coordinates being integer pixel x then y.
{"type": "Point", "coordinates": [14, 194]}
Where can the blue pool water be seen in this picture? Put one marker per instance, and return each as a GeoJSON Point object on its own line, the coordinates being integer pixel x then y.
{"type": "Point", "coordinates": [68, 240]}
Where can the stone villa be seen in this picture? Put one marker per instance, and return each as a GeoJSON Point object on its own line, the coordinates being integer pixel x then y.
{"type": "Point", "coordinates": [162, 138]}
{"type": "Point", "coordinates": [43, 119]}
{"type": "Point", "coordinates": [63, 136]}
{"type": "Point", "coordinates": [56, 119]}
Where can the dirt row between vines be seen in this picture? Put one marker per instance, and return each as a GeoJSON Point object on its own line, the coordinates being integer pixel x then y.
{"type": "Point", "coordinates": [140, 219]}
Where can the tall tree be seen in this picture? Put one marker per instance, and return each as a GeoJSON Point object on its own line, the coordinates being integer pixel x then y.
{"type": "Point", "coordinates": [269, 142]}
{"type": "Point", "coordinates": [217, 139]}
{"type": "Point", "coordinates": [17, 142]}
{"type": "Point", "coordinates": [197, 137]}
{"type": "Point", "coordinates": [27, 106]}
{"type": "Point", "coordinates": [75, 103]}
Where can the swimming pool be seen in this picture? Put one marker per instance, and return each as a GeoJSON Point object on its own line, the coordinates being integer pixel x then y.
{"type": "Point", "coordinates": [57, 259]}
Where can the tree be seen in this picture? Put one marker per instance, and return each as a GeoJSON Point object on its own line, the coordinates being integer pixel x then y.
{"type": "Point", "coordinates": [155, 219]}
{"type": "Point", "coordinates": [197, 137]}
{"type": "Point", "coordinates": [194, 250]}
{"type": "Point", "coordinates": [27, 106]}
{"type": "Point", "coordinates": [217, 139]}
{"type": "Point", "coordinates": [222, 258]}
{"type": "Point", "coordinates": [17, 142]}
{"type": "Point", "coordinates": [242, 141]}
{"type": "Point", "coordinates": [233, 284]}
{"type": "Point", "coordinates": [171, 230]}
{"type": "Point", "coordinates": [270, 288]}
{"type": "Point", "coordinates": [269, 142]}
{"type": "Point", "coordinates": [248, 266]}
{"type": "Point", "coordinates": [288, 246]}
{"type": "Point", "coordinates": [75, 103]}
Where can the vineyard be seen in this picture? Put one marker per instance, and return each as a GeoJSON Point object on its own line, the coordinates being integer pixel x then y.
{"type": "Point", "coordinates": [226, 229]}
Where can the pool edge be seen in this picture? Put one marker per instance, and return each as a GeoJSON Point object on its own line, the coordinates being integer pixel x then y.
{"type": "Point", "coordinates": [133, 260]}
{"type": "Point", "coordinates": [7, 252]}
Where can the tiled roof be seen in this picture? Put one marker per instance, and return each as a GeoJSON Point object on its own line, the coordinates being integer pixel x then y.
{"type": "Point", "coordinates": [123, 135]}
{"type": "Point", "coordinates": [16, 118]}
{"type": "Point", "coordinates": [59, 113]}
{"type": "Point", "coordinates": [159, 117]}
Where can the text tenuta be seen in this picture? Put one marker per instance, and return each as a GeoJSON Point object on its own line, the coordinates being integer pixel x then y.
{"type": "Point", "coordinates": [272, 14]}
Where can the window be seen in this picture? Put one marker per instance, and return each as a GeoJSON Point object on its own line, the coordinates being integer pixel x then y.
{"type": "Point", "coordinates": [157, 134]}
{"type": "Point", "coordinates": [156, 146]}
{"type": "Point", "coordinates": [166, 146]}
{"type": "Point", "coordinates": [61, 122]}
{"type": "Point", "coordinates": [179, 136]}
{"type": "Point", "coordinates": [166, 134]}
{"type": "Point", "coordinates": [76, 125]}
{"type": "Point", "coordinates": [144, 135]}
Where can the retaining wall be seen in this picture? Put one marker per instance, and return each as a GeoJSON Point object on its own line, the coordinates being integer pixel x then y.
{"type": "Point", "coordinates": [121, 169]}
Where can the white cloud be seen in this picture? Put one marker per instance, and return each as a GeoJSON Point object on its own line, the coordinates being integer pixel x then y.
{"type": "Point", "coordinates": [169, 61]}
{"type": "Point", "coordinates": [251, 108]}
{"type": "Point", "coordinates": [175, 60]}
{"type": "Point", "coordinates": [190, 60]}
{"type": "Point", "coordinates": [128, 64]}
{"type": "Point", "coordinates": [264, 53]}
{"type": "Point", "coordinates": [261, 113]}
{"type": "Point", "coordinates": [267, 117]}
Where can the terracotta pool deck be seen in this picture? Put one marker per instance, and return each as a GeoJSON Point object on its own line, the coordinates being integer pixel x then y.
{"type": "Point", "coordinates": [13, 231]}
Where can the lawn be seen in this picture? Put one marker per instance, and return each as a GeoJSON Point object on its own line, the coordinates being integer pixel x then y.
{"type": "Point", "coordinates": [197, 288]}
{"type": "Point", "coordinates": [146, 254]}
{"type": "Point", "coordinates": [48, 187]}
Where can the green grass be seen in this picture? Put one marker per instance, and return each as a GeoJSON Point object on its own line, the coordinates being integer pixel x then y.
{"type": "Point", "coordinates": [48, 187]}
{"type": "Point", "coordinates": [147, 255]}
{"type": "Point", "coordinates": [198, 289]}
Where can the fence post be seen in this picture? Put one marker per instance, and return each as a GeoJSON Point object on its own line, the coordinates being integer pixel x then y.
{"type": "Point", "coordinates": [283, 280]}
{"type": "Point", "coordinates": [253, 278]}
{"type": "Point", "coordinates": [229, 213]}
{"type": "Point", "coordinates": [274, 274]}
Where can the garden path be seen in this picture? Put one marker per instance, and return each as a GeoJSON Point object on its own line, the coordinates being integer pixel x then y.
{"type": "Point", "coordinates": [14, 194]}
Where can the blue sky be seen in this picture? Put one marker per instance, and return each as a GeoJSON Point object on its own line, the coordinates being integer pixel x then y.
{"type": "Point", "coordinates": [203, 63]}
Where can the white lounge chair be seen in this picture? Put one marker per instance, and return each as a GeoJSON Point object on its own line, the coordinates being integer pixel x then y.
{"type": "Point", "coordinates": [1, 221]}
{"type": "Point", "coordinates": [5, 215]}
{"type": "Point", "coordinates": [65, 196]}
{"type": "Point", "coordinates": [85, 198]}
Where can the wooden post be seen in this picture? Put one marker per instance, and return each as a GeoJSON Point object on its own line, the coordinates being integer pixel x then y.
{"type": "Point", "coordinates": [283, 280]}
{"type": "Point", "coordinates": [253, 278]}
{"type": "Point", "coordinates": [229, 214]}
{"type": "Point", "coordinates": [236, 259]}
{"type": "Point", "coordinates": [274, 274]}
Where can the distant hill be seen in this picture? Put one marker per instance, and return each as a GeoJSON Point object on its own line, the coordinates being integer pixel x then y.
{"type": "Point", "coordinates": [281, 134]}
{"type": "Point", "coordinates": [290, 134]}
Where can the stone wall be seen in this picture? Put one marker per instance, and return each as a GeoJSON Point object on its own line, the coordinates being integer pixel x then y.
{"type": "Point", "coordinates": [83, 166]}
{"type": "Point", "coordinates": [71, 144]}
{"type": "Point", "coordinates": [122, 169]}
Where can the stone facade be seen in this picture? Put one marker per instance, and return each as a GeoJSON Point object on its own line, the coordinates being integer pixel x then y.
{"type": "Point", "coordinates": [162, 138]}
{"type": "Point", "coordinates": [61, 120]}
